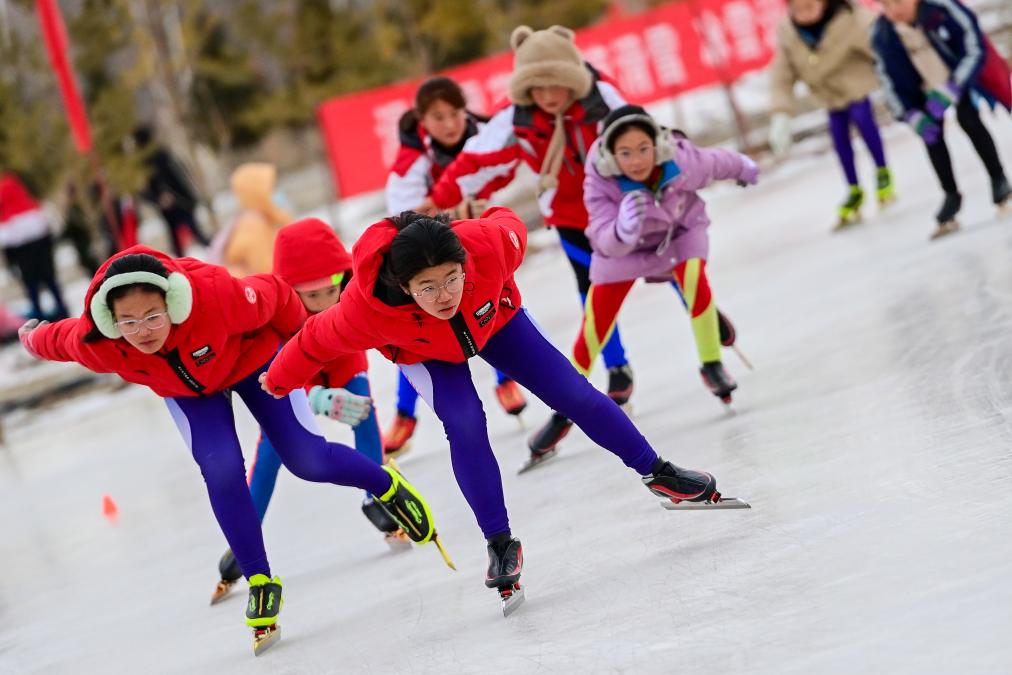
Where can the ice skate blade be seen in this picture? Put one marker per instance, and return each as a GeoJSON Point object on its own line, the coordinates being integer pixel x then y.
{"type": "Point", "coordinates": [748, 364]}
{"type": "Point", "coordinates": [847, 223]}
{"type": "Point", "coordinates": [945, 229]}
{"type": "Point", "coordinates": [510, 603]}
{"type": "Point", "coordinates": [442, 551]}
{"type": "Point", "coordinates": [722, 503]}
{"type": "Point", "coordinates": [222, 591]}
{"type": "Point", "coordinates": [535, 462]}
{"type": "Point", "coordinates": [265, 638]}
{"type": "Point", "coordinates": [398, 453]}
{"type": "Point", "coordinates": [397, 544]}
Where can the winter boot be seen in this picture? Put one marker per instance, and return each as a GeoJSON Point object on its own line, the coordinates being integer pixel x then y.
{"type": "Point", "coordinates": [677, 484]}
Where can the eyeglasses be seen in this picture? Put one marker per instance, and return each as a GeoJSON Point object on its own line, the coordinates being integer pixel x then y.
{"type": "Point", "coordinates": [432, 293]}
{"type": "Point", "coordinates": [151, 322]}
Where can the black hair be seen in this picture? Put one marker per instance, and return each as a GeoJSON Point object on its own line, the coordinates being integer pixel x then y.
{"type": "Point", "coordinates": [627, 111]}
{"type": "Point", "coordinates": [135, 262]}
{"type": "Point", "coordinates": [421, 241]}
{"type": "Point", "coordinates": [438, 89]}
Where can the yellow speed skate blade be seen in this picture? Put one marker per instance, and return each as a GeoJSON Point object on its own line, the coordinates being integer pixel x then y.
{"type": "Point", "coordinates": [442, 551]}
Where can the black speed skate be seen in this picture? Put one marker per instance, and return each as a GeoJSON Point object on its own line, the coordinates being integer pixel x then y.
{"type": "Point", "coordinates": [729, 337]}
{"type": "Point", "coordinates": [718, 381]}
{"type": "Point", "coordinates": [687, 490]}
{"type": "Point", "coordinates": [394, 536]}
{"type": "Point", "coordinates": [946, 216]}
{"type": "Point", "coordinates": [620, 384]}
{"type": "Point", "coordinates": [505, 563]}
{"type": "Point", "coordinates": [228, 567]}
{"type": "Point", "coordinates": [1001, 193]}
{"type": "Point", "coordinates": [542, 443]}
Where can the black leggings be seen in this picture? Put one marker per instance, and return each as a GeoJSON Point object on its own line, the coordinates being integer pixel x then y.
{"type": "Point", "coordinates": [968, 118]}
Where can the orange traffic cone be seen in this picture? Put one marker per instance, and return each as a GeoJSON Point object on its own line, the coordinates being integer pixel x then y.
{"type": "Point", "coordinates": [109, 509]}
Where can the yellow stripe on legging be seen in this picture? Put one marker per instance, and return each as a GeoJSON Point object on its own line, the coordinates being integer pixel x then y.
{"type": "Point", "coordinates": [704, 326]}
{"type": "Point", "coordinates": [594, 345]}
{"type": "Point", "coordinates": [691, 282]}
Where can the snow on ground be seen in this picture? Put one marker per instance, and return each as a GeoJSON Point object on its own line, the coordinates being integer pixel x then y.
{"type": "Point", "coordinates": [872, 440]}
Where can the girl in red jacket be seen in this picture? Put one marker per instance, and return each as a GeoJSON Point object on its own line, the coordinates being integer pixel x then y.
{"type": "Point", "coordinates": [432, 134]}
{"type": "Point", "coordinates": [310, 258]}
{"type": "Point", "coordinates": [429, 295]}
{"type": "Point", "coordinates": [195, 335]}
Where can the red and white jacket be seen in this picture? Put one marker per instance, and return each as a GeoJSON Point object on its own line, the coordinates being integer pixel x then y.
{"type": "Point", "coordinates": [520, 133]}
{"type": "Point", "coordinates": [234, 327]}
{"type": "Point", "coordinates": [403, 332]}
{"type": "Point", "coordinates": [420, 163]}
{"type": "Point", "coordinates": [21, 219]}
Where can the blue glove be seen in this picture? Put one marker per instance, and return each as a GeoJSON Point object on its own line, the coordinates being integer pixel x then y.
{"type": "Point", "coordinates": [925, 125]}
{"type": "Point", "coordinates": [940, 99]}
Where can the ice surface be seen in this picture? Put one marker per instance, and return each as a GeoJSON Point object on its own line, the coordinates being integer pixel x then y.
{"type": "Point", "coordinates": [872, 441]}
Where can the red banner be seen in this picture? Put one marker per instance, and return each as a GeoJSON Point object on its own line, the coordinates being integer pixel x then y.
{"type": "Point", "coordinates": [651, 56]}
{"type": "Point", "coordinates": [55, 36]}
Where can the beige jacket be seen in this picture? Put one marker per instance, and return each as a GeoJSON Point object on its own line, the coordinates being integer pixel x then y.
{"type": "Point", "coordinates": [840, 71]}
{"type": "Point", "coordinates": [926, 60]}
{"type": "Point", "coordinates": [249, 245]}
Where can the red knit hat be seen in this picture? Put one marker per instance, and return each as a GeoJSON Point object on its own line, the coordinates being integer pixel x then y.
{"type": "Point", "coordinates": [308, 255]}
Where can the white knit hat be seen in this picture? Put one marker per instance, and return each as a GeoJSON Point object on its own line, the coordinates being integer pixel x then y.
{"type": "Point", "coordinates": [546, 58]}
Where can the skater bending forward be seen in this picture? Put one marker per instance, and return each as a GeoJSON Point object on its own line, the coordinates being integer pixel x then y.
{"type": "Point", "coordinates": [429, 295]}
{"type": "Point", "coordinates": [195, 335]}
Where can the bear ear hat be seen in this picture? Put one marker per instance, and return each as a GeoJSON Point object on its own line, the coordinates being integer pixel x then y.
{"type": "Point", "coordinates": [521, 33]}
{"type": "Point", "coordinates": [563, 31]}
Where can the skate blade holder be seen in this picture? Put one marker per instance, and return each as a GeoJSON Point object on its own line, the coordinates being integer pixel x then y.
{"type": "Point", "coordinates": [265, 638]}
{"type": "Point", "coordinates": [719, 503]}
{"type": "Point", "coordinates": [511, 598]}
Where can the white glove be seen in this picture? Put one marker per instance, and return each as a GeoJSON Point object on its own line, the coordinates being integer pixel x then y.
{"type": "Point", "coordinates": [339, 404]}
{"type": "Point", "coordinates": [780, 134]}
{"type": "Point", "coordinates": [25, 335]}
{"type": "Point", "coordinates": [631, 212]}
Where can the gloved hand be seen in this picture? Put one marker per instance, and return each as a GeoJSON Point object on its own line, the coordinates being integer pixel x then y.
{"type": "Point", "coordinates": [940, 99]}
{"type": "Point", "coordinates": [925, 126]}
{"type": "Point", "coordinates": [780, 134]}
{"type": "Point", "coordinates": [749, 172]}
{"type": "Point", "coordinates": [630, 216]}
{"type": "Point", "coordinates": [25, 335]}
{"type": "Point", "coordinates": [339, 404]}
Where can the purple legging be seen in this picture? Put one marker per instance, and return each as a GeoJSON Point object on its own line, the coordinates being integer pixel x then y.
{"type": "Point", "coordinates": [862, 116]}
{"type": "Point", "coordinates": [208, 427]}
{"type": "Point", "coordinates": [525, 355]}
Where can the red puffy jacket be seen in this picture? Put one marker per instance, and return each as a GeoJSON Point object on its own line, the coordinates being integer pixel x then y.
{"type": "Point", "coordinates": [235, 326]}
{"type": "Point", "coordinates": [495, 245]}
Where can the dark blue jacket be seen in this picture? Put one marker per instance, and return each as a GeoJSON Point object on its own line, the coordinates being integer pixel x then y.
{"type": "Point", "coordinates": [953, 31]}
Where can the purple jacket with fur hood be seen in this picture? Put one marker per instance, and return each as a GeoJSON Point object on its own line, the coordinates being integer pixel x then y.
{"type": "Point", "coordinates": [673, 225]}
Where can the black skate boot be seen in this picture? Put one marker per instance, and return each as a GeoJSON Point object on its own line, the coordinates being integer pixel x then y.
{"type": "Point", "coordinates": [620, 384]}
{"type": "Point", "coordinates": [718, 381]}
{"type": "Point", "coordinates": [505, 562]}
{"type": "Point", "coordinates": [677, 484]}
{"type": "Point", "coordinates": [543, 442]}
{"type": "Point", "coordinates": [228, 567]}
{"type": "Point", "coordinates": [265, 601]}
{"type": "Point", "coordinates": [395, 537]}
{"type": "Point", "coordinates": [1001, 192]}
{"type": "Point", "coordinates": [946, 216]}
